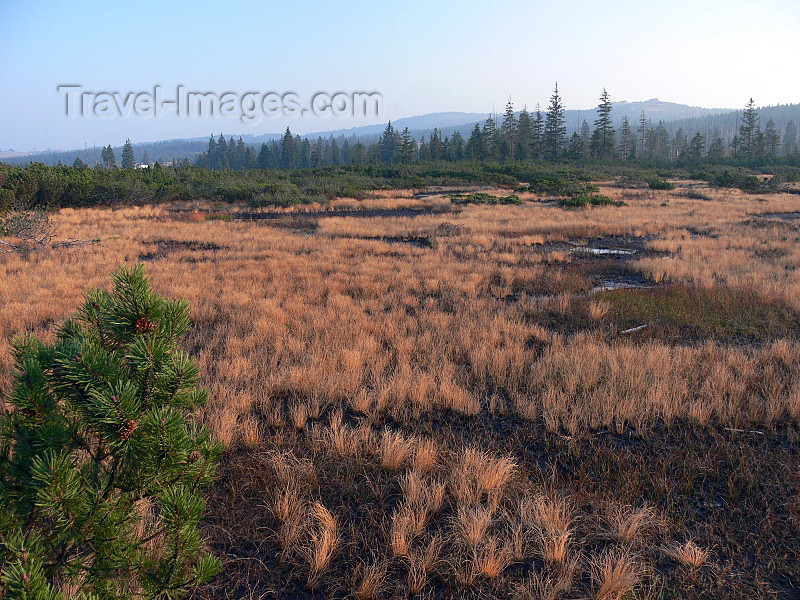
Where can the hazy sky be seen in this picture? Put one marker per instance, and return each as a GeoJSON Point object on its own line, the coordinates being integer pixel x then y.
{"type": "Point", "coordinates": [431, 56]}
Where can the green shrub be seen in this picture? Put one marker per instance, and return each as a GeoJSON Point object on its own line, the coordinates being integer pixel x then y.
{"type": "Point", "coordinates": [741, 180]}
{"type": "Point", "coordinates": [589, 200]}
{"type": "Point", "coordinates": [660, 184]}
{"type": "Point", "coordinates": [6, 199]}
{"type": "Point", "coordinates": [100, 467]}
{"type": "Point", "coordinates": [484, 198]}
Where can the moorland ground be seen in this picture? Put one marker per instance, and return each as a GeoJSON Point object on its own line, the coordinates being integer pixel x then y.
{"type": "Point", "coordinates": [455, 400]}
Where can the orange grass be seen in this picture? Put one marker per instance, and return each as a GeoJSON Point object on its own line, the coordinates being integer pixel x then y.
{"type": "Point", "coordinates": [292, 329]}
{"type": "Point", "coordinates": [393, 329]}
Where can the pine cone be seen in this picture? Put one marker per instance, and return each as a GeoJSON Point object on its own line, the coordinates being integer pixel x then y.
{"type": "Point", "coordinates": [144, 325]}
{"type": "Point", "coordinates": [128, 429]}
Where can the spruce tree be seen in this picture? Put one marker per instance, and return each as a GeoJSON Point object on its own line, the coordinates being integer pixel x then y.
{"type": "Point", "coordinates": [717, 147]}
{"type": "Point", "coordinates": [424, 150]}
{"type": "Point", "coordinates": [407, 147]}
{"type": "Point", "coordinates": [128, 160]}
{"type": "Point", "coordinates": [388, 144]}
{"type": "Point", "coordinates": [585, 140]}
{"type": "Point", "coordinates": [524, 134]}
{"type": "Point", "coordinates": [508, 131]}
{"type": "Point", "coordinates": [359, 154]}
{"type": "Point", "coordinates": [336, 155]}
{"type": "Point", "coordinates": [223, 156]}
{"type": "Point", "coordinates": [435, 146]}
{"type": "Point", "coordinates": [475, 146]}
{"type": "Point", "coordinates": [289, 153]}
{"type": "Point", "coordinates": [303, 147]}
{"type": "Point", "coordinates": [641, 133]}
{"type": "Point", "coordinates": [101, 468]}
{"type": "Point", "coordinates": [346, 153]}
{"type": "Point", "coordinates": [603, 138]}
{"type": "Point", "coordinates": [790, 139]}
{"type": "Point", "coordinates": [211, 153]}
{"type": "Point", "coordinates": [537, 136]}
{"type": "Point", "coordinates": [266, 159]}
{"type": "Point", "coordinates": [749, 130]}
{"type": "Point", "coordinates": [696, 147]}
{"type": "Point", "coordinates": [555, 131]}
{"type": "Point", "coordinates": [662, 146]}
{"type": "Point", "coordinates": [457, 146]}
{"type": "Point", "coordinates": [772, 138]}
{"type": "Point", "coordinates": [108, 157]}
{"type": "Point", "coordinates": [490, 145]}
{"type": "Point", "coordinates": [575, 147]}
{"type": "Point", "coordinates": [679, 143]}
{"type": "Point", "coordinates": [627, 144]}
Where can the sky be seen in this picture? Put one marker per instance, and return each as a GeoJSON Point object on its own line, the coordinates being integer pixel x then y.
{"type": "Point", "coordinates": [422, 57]}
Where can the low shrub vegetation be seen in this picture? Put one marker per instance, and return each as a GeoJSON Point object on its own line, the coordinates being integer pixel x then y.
{"type": "Point", "coordinates": [484, 198]}
{"type": "Point", "coordinates": [585, 199]}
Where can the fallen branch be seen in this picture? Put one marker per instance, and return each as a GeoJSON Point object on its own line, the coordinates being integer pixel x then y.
{"type": "Point", "coordinates": [744, 431]}
{"type": "Point", "coordinates": [634, 329]}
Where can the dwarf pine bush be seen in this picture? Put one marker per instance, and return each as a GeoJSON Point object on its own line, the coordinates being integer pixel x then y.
{"type": "Point", "coordinates": [101, 468]}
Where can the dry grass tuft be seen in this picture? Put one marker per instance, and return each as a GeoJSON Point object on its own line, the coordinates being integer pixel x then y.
{"type": "Point", "coordinates": [492, 557]}
{"type": "Point", "coordinates": [628, 524]}
{"type": "Point", "coordinates": [426, 456]}
{"type": "Point", "coordinates": [298, 415]}
{"type": "Point", "coordinates": [394, 450]}
{"type": "Point", "coordinates": [289, 509]}
{"type": "Point", "coordinates": [479, 475]}
{"type": "Point", "coordinates": [423, 495]}
{"type": "Point", "coordinates": [408, 523]}
{"type": "Point", "coordinates": [348, 442]}
{"type": "Point", "coordinates": [545, 585]}
{"type": "Point", "coordinates": [422, 562]}
{"type": "Point", "coordinates": [598, 309]}
{"type": "Point", "coordinates": [323, 543]}
{"type": "Point", "coordinates": [551, 517]}
{"type": "Point", "coordinates": [249, 432]}
{"type": "Point", "coordinates": [370, 580]}
{"type": "Point", "coordinates": [549, 512]}
{"type": "Point", "coordinates": [688, 554]}
{"type": "Point", "coordinates": [472, 523]}
{"type": "Point", "coordinates": [614, 574]}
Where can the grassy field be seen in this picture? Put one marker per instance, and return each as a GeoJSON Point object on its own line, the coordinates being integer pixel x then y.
{"type": "Point", "coordinates": [421, 397]}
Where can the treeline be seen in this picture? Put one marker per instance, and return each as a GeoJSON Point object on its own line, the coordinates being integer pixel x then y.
{"type": "Point", "coordinates": [166, 151]}
{"type": "Point", "coordinates": [528, 136]}
{"type": "Point", "coordinates": [40, 186]}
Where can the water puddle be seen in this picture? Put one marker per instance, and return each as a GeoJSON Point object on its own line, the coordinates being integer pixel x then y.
{"type": "Point", "coordinates": [607, 286]}
{"type": "Point", "coordinates": [605, 251]}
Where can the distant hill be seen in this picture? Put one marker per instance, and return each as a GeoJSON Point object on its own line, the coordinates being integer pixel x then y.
{"type": "Point", "coordinates": [5, 154]}
{"type": "Point", "coordinates": [674, 116]}
{"type": "Point", "coordinates": [726, 124]}
{"type": "Point", "coordinates": [415, 124]}
{"type": "Point", "coordinates": [654, 109]}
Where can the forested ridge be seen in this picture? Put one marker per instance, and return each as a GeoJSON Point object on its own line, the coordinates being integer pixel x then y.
{"type": "Point", "coordinates": [531, 149]}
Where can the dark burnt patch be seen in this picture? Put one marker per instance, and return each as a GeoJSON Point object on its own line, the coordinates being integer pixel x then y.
{"type": "Point", "coordinates": [163, 248]}
{"type": "Point", "coordinates": [411, 240]}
